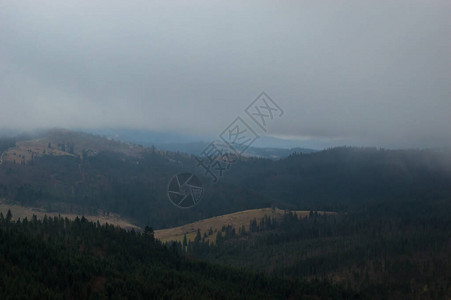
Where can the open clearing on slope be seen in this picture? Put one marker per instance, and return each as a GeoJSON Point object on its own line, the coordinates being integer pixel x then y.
{"type": "Point", "coordinates": [63, 142]}
{"type": "Point", "coordinates": [237, 220]}
{"type": "Point", "coordinates": [22, 212]}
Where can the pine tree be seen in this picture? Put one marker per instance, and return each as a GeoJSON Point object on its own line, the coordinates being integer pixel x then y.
{"type": "Point", "coordinates": [9, 215]}
{"type": "Point", "coordinates": [148, 231]}
{"type": "Point", "coordinates": [198, 237]}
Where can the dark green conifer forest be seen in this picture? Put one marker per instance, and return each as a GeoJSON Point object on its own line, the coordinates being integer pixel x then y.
{"type": "Point", "coordinates": [61, 259]}
{"type": "Point", "coordinates": [387, 234]}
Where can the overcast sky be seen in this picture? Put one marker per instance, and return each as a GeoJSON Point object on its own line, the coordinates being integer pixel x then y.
{"type": "Point", "coordinates": [344, 72]}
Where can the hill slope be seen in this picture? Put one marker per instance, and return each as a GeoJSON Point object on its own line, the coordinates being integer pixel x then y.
{"type": "Point", "coordinates": [62, 259]}
{"type": "Point", "coordinates": [85, 174]}
{"type": "Point", "coordinates": [389, 251]}
{"type": "Point", "coordinates": [211, 226]}
{"type": "Point", "coordinates": [21, 212]}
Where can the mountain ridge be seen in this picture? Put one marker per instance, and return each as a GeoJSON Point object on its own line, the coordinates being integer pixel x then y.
{"type": "Point", "coordinates": [129, 180]}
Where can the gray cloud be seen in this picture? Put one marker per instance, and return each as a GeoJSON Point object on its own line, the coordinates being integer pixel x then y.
{"type": "Point", "coordinates": [355, 72]}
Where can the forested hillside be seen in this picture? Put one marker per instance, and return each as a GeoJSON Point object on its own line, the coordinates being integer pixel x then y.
{"type": "Point", "coordinates": [391, 251]}
{"type": "Point", "coordinates": [62, 259]}
{"type": "Point", "coordinates": [346, 177]}
{"type": "Point", "coordinates": [85, 175]}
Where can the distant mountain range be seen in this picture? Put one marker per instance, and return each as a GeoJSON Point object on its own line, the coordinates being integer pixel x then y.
{"type": "Point", "coordinates": [191, 144]}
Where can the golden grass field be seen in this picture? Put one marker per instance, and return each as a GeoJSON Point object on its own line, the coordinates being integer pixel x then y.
{"type": "Point", "coordinates": [28, 212]}
{"type": "Point", "coordinates": [237, 220]}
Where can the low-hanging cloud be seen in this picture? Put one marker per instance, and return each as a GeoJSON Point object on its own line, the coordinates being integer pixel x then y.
{"type": "Point", "coordinates": [361, 72]}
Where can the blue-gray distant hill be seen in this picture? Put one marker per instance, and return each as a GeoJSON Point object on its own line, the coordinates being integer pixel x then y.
{"type": "Point", "coordinates": [174, 142]}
